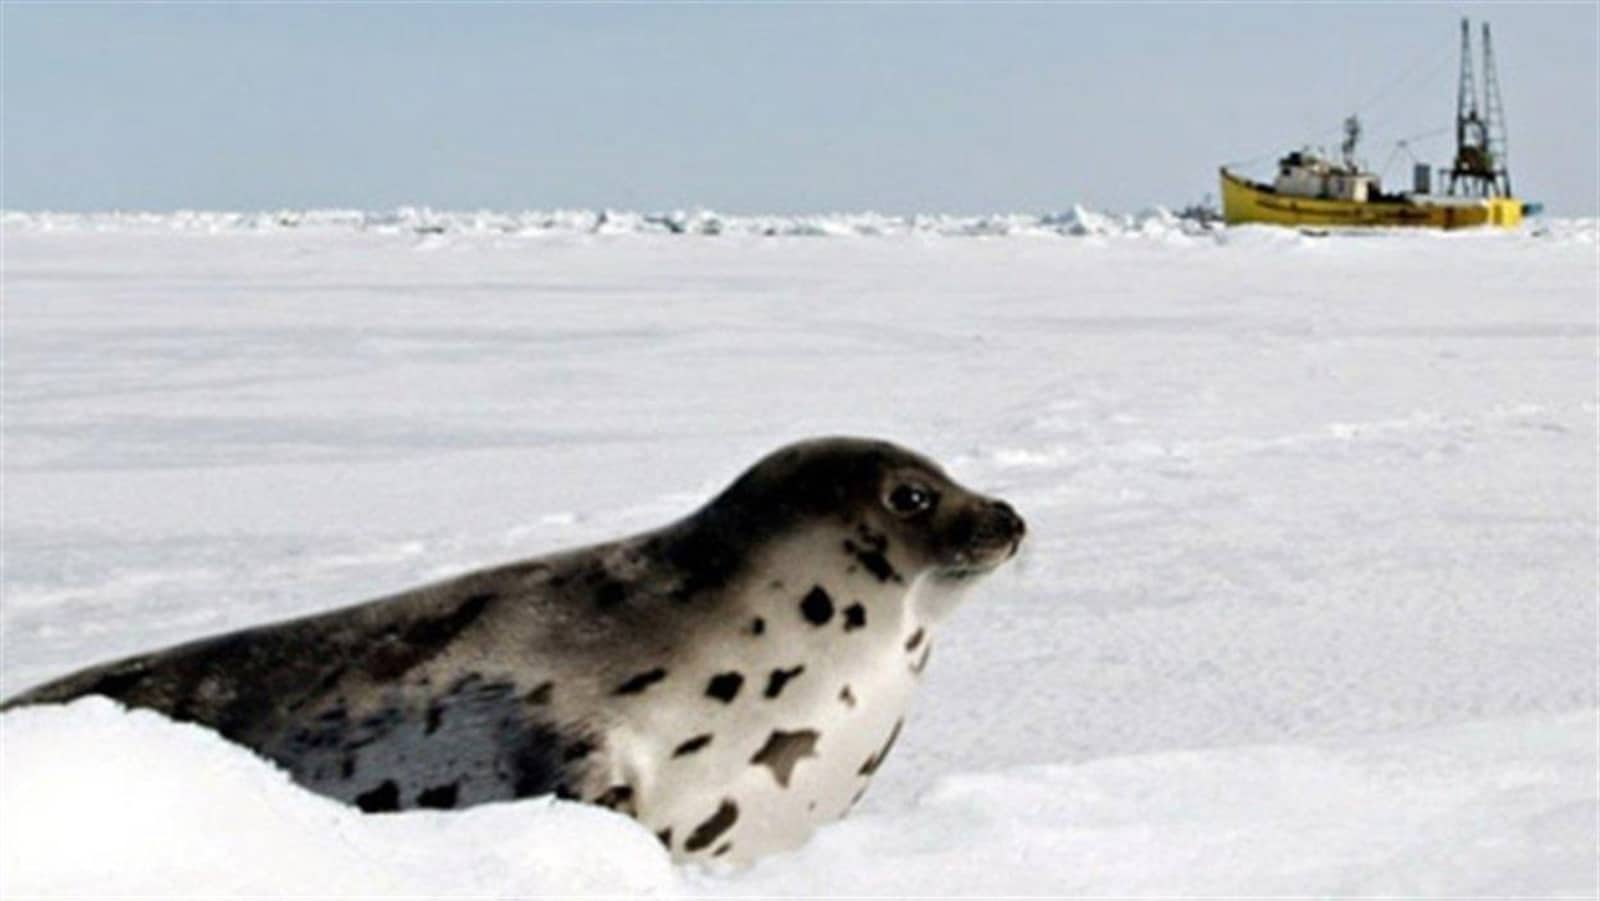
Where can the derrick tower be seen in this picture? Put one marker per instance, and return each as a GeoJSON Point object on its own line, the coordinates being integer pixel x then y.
{"type": "Point", "coordinates": [1479, 169]}
{"type": "Point", "coordinates": [1494, 119]}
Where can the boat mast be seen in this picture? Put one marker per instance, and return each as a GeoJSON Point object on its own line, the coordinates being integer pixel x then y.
{"type": "Point", "coordinates": [1467, 91]}
{"type": "Point", "coordinates": [1347, 147]}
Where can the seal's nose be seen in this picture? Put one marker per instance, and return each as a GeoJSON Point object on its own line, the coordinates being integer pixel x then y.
{"type": "Point", "coordinates": [1008, 522]}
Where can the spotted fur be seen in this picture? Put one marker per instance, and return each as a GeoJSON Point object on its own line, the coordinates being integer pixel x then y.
{"type": "Point", "coordinates": [779, 678]}
{"type": "Point", "coordinates": [855, 616]}
{"type": "Point", "coordinates": [817, 607]}
{"type": "Point", "coordinates": [692, 745]}
{"type": "Point", "coordinates": [718, 823]}
{"type": "Point", "coordinates": [784, 750]}
{"type": "Point", "coordinates": [725, 686]}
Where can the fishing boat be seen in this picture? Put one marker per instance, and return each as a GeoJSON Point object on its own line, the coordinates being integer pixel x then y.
{"type": "Point", "coordinates": [1313, 189]}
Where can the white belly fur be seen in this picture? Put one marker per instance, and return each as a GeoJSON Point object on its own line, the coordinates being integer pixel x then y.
{"type": "Point", "coordinates": [681, 793]}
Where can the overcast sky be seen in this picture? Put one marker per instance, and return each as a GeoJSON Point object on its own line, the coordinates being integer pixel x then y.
{"type": "Point", "coordinates": [758, 106]}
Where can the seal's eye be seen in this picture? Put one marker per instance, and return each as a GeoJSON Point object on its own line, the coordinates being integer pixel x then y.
{"type": "Point", "coordinates": [909, 499]}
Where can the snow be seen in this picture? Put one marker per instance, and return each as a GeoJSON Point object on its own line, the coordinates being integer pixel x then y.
{"type": "Point", "coordinates": [1308, 605]}
{"type": "Point", "coordinates": [190, 814]}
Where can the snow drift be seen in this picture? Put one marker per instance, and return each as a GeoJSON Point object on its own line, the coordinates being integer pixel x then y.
{"type": "Point", "coordinates": [99, 800]}
{"type": "Point", "coordinates": [1076, 221]}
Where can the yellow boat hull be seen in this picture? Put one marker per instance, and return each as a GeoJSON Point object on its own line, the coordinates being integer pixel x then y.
{"type": "Point", "coordinates": [1244, 201]}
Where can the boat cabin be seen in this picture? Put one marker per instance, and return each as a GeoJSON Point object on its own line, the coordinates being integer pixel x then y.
{"type": "Point", "coordinates": [1304, 174]}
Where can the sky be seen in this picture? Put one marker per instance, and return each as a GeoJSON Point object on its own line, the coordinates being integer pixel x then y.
{"type": "Point", "coordinates": [759, 106]}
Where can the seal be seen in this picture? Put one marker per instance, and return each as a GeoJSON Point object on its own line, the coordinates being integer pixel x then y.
{"type": "Point", "coordinates": [731, 680]}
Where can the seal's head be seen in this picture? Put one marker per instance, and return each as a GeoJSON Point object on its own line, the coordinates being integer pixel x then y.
{"type": "Point", "coordinates": [904, 517]}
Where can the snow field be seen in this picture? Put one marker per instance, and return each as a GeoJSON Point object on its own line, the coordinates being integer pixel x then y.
{"type": "Point", "coordinates": [1308, 604]}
